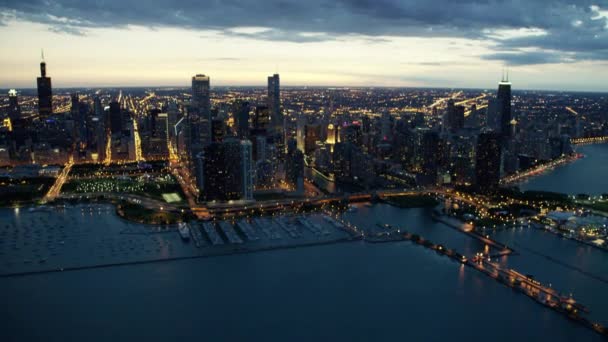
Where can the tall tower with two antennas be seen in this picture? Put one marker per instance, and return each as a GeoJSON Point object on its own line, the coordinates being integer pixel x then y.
{"type": "Point", "coordinates": [45, 91]}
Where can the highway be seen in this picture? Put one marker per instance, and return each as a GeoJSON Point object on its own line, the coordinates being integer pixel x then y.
{"type": "Point", "coordinates": [108, 159]}
{"type": "Point", "coordinates": [589, 140]}
{"type": "Point", "coordinates": [480, 107]}
{"type": "Point", "coordinates": [475, 99]}
{"type": "Point", "coordinates": [539, 169]}
{"type": "Point", "coordinates": [59, 181]}
{"type": "Point", "coordinates": [572, 111]}
{"type": "Point", "coordinates": [137, 139]}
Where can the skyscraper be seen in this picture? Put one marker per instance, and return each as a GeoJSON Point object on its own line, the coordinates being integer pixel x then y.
{"type": "Point", "coordinates": [487, 161]}
{"type": "Point", "coordinates": [200, 94]}
{"type": "Point", "coordinates": [228, 171]}
{"type": "Point", "coordinates": [455, 116]}
{"type": "Point", "coordinates": [116, 124]}
{"type": "Point", "coordinates": [312, 134]}
{"type": "Point", "coordinates": [14, 110]}
{"type": "Point", "coordinates": [241, 117]}
{"type": "Point", "coordinates": [201, 107]}
{"type": "Point", "coordinates": [430, 157]}
{"type": "Point", "coordinates": [274, 104]}
{"type": "Point", "coordinates": [503, 98]}
{"type": "Point", "coordinates": [294, 170]}
{"type": "Point", "coordinates": [218, 130]}
{"type": "Point", "coordinates": [262, 118]}
{"type": "Point", "coordinates": [45, 93]}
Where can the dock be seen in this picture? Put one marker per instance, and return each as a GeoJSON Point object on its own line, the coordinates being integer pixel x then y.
{"type": "Point", "coordinates": [197, 236]}
{"type": "Point", "coordinates": [248, 230]}
{"type": "Point", "coordinates": [230, 233]}
{"type": "Point", "coordinates": [289, 228]}
{"type": "Point", "coordinates": [212, 234]}
{"type": "Point", "coordinates": [534, 289]}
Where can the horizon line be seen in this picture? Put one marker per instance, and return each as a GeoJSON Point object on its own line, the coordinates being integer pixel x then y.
{"type": "Point", "coordinates": [308, 86]}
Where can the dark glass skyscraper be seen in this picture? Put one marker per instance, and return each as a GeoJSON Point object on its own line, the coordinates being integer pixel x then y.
{"type": "Point", "coordinates": [487, 162]}
{"type": "Point", "coordinates": [14, 110]}
{"type": "Point", "coordinates": [201, 108]}
{"type": "Point", "coordinates": [503, 98]}
{"type": "Point", "coordinates": [227, 171]}
{"type": "Point", "coordinates": [45, 93]}
{"type": "Point", "coordinates": [115, 117]}
{"type": "Point", "coordinates": [241, 117]}
{"type": "Point", "coordinates": [430, 157]}
{"type": "Point", "coordinates": [274, 104]}
{"type": "Point", "coordinates": [455, 116]}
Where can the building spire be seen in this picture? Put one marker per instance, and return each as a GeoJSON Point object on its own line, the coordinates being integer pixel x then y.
{"type": "Point", "coordinates": [42, 54]}
{"type": "Point", "coordinates": [507, 74]}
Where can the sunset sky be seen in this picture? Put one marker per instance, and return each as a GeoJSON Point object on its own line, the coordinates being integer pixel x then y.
{"type": "Point", "coordinates": [448, 43]}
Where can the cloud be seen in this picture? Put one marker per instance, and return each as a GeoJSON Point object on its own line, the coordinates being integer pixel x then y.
{"type": "Point", "coordinates": [67, 29]}
{"type": "Point", "coordinates": [577, 28]}
{"type": "Point", "coordinates": [516, 58]}
{"type": "Point", "coordinates": [281, 35]}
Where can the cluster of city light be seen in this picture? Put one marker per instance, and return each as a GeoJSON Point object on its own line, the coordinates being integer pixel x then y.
{"type": "Point", "coordinates": [540, 169]}
{"type": "Point", "coordinates": [59, 181]}
{"type": "Point", "coordinates": [137, 141]}
{"type": "Point", "coordinates": [120, 184]}
{"type": "Point", "coordinates": [589, 140]}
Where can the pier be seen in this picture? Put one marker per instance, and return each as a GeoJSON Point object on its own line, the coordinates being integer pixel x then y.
{"type": "Point", "coordinates": [526, 284]}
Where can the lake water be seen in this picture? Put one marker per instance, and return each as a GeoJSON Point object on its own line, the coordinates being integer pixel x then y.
{"type": "Point", "coordinates": [588, 175]}
{"type": "Point", "coordinates": [353, 291]}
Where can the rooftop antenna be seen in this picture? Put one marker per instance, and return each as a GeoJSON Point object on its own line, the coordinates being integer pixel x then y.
{"type": "Point", "coordinates": [507, 74]}
{"type": "Point", "coordinates": [42, 54]}
{"type": "Point", "coordinates": [502, 78]}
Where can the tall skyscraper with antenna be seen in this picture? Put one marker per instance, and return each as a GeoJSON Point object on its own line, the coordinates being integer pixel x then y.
{"type": "Point", "coordinates": [503, 98]}
{"type": "Point", "coordinates": [45, 92]}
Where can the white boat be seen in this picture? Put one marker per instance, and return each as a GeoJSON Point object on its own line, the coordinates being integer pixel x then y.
{"type": "Point", "coordinates": [184, 231]}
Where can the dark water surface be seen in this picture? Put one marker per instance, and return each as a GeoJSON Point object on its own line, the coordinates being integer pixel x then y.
{"type": "Point", "coordinates": [346, 292]}
{"type": "Point", "coordinates": [588, 175]}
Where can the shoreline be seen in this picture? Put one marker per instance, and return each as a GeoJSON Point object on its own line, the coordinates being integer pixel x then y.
{"type": "Point", "coordinates": [539, 170]}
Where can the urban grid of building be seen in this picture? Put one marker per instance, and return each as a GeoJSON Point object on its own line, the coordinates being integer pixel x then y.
{"type": "Point", "coordinates": [231, 143]}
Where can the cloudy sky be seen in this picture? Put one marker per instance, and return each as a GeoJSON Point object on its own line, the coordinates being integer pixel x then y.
{"type": "Point", "coordinates": [553, 44]}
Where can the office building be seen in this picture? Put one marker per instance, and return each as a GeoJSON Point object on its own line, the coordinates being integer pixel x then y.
{"type": "Point", "coordinates": [487, 161]}
{"type": "Point", "coordinates": [227, 171]}
{"type": "Point", "coordinates": [14, 110]}
{"type": "Point", "coordinates": [241, 119]}
{"type": "Point", "coordinates": [116, 119]}
{"type": "Point", "coordinates": [455, 116]}
{"type": "Point", "coordinates": [201, 108]}
{"type": "Point", "coordinates": [45, 92]}
{"type": "Point", "coordinates": [503, 98]}
{"type": "Point", "coordinates": [274, 104]}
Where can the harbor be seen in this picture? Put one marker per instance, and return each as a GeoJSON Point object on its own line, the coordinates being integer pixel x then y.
{"type": "Point", "coordinates": [59, 239]}
{"type": "Point", "coordinates": [284, 235]}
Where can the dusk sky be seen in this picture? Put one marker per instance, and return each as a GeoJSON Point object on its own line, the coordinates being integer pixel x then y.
{"type": "Point", "coordinates": [552, 44]}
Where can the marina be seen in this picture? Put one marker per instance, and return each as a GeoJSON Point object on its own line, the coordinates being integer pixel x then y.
{"type": "Point", "coordinates": [212, 234]}
{"type": "Point", "coordinates": [52, 239]}
{"type": "Point", "coordinates": [229, 232]}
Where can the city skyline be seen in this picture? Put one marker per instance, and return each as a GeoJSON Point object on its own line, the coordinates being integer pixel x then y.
{"type": "Point", "coordinates": [354, 158]}
{"type": "Point", "coordinates": [85, 51]}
